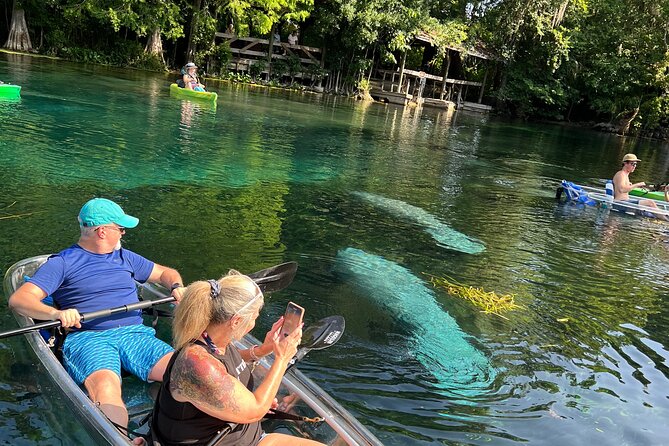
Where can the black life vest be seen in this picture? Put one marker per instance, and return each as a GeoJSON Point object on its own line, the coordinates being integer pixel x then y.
{"type": "Point", "coordinates": [177, 423]}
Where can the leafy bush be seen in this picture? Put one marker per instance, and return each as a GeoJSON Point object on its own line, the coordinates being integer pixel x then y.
{"type": "Point", "coordinates": [363, 86]}
{"type": "Point", "coordinates": [293, 65]}
{"type": "Point", "coordinates": [222, 55]}
{"type": "Point", "coordinates": [256, 69]}
{"type": "Point", "coordinates": [279, 68]}
{"type": "Point", "coordinates": [54, 42]}
{"type": "Point", "coordinates": [151, 62]}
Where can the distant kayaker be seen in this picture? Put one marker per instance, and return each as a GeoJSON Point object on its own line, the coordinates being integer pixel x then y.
{"type": "Point", "coordinates": [95, 274]}
{"type": "Point", "coordinates": [191, 81]}
{"type": "Point", "coordinates": [622, 184]}
{"type": "Point", "coordinates": [208, 384]}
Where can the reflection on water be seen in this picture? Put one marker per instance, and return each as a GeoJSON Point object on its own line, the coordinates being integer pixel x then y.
{"type": "Point", "coordinates": [269, 176]}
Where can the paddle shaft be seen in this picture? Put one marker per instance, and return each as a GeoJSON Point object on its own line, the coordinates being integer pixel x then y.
{"type": "Point", "coordinates": [269, 279]}
{"type": "Point", "coordinates": [89, 316]}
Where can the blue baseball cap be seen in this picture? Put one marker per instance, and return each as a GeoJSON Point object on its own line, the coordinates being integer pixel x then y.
{"type": "Point", "coordinates": [100, 211]}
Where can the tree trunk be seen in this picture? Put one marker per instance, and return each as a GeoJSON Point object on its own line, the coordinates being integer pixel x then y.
{"type": "Point", "coordinates": [270, 51]}
{"type": "Point", "coordinates": [626, 121]}
{"type": "Point", "coordinates": [19, 39]}
{"type": "Point", "coordinates": [155, 44]}
{"type": "Point", "coordinates": [190, 51]}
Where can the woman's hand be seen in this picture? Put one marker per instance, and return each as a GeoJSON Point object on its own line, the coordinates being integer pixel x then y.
{"type": "Point", "coordinates": [267, 346]}
{"type": "Point", "coordinates": [285, 347]}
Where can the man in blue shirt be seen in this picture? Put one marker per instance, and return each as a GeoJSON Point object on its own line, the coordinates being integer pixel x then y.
{"type": "Point", "coordinates": [95, 274]}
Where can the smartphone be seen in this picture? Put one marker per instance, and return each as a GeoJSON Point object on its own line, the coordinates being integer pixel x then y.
{"type": "Point", "coordinates": [292, 318]}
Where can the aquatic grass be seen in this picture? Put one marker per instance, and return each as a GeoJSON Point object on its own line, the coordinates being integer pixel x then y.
{"type": "Point", "coordinates": [6, 217]}
{"type": "Point", "coordinates": [489, 301]}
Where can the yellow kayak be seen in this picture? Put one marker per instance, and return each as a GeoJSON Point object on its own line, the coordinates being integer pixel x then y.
{"type": "Point", "coordinates": [209, 96]}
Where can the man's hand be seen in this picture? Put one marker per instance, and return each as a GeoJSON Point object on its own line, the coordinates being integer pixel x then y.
{"type": "Point", "coordinates": [178, 293]}
{"type": "Point", "coordinates": [69, 318]}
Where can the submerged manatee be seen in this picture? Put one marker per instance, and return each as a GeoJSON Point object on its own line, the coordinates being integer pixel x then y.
{"type": "Point", "coordinates": [442, 233]}
{"type": "Point", "coordinates": [436, 340]}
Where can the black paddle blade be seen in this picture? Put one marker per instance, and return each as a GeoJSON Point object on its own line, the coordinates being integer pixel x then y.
{"type": "Point", "coordinates": [276, 277]}
{"type": "Point", "coordinates": [323, 333]}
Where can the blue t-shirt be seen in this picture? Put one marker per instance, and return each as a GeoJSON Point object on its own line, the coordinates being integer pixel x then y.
{"type": "Point", "coordinates": [80, 279]}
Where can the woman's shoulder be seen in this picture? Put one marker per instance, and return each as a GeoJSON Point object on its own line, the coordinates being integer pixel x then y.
{"type": "Point", "coordinates": [194, 372]}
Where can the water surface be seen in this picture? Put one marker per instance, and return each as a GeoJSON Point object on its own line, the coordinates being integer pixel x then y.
{"type": "Point", "coordinates": [269, 176]}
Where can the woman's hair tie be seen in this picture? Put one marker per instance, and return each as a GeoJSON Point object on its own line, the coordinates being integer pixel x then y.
{"type": "Point", "coordinates": [215, 288]}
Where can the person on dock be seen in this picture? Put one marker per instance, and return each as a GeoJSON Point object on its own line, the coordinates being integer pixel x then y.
{"type": "Point", "coordinates": [190, 79]}
{"type": "Point", "coordinates": [622, 184]}
{"type": "Point", "coordinates": [95, 274]}
{"type": "Point", "coordinates": [208, 384]}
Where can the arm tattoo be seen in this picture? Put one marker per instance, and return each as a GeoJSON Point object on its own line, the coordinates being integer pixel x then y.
{"type": "Point", "coordinates": [200, 378]}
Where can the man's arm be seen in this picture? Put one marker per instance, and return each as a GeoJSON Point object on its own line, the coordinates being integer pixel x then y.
{"type": "Point", "coordinates": [27, 300]}
{"type": "Point", "coordinates": [169, 278]}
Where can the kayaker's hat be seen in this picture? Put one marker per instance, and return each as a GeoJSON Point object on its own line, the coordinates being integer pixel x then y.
{"type": "Point", "coordinates": [100, 211]}
{"type": "Point", "coordinates": [630, 157]}
{"type": "Point", "coordinates": [190, 65]}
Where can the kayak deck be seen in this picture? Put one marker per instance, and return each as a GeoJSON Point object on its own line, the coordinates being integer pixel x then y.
{"type": "Point", "coordinates": [208, 96]}
{"type": "Point", "coordinates": [646, 194]}
{"type": "Point", "coordinates": [339, 427]}
{"type": "Point", "coordinates": [10, 91]}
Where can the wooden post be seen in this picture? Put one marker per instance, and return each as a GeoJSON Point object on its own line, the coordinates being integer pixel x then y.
{"type": "Point", "coordinates": [485, 77]}
{"type": "Point", "coordinates": [404, 59]}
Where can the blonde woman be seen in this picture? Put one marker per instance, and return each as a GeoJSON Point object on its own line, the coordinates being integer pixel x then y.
{"type": "Point", "coordinates": [208, 383]}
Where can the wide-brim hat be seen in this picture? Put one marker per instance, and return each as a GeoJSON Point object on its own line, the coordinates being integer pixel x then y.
{"type": "Point", "coordinates": [100, 211]}
{"type": "Point", "coordinates": [190, 65]}
{"type": "Point", "coordinates": [630, 157]}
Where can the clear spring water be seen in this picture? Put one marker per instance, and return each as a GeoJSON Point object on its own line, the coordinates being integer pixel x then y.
{"type": "Point", "coordinates": [269, 176]}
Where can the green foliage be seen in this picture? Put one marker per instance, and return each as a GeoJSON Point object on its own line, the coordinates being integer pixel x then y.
{"type": "Point", "coordinates": [414, 57]}
{"type": "Point", "coordinates": [140, 16]}
{"type": "Point", "coordinates": [655, 112]}
{"type": "Point", "coordinates": [205, 28]}
{"type": "Point", "coordinates": [363, 86]}
{"type": "Point", "coordinates": [279, 69]}
{"type": "Point", "coordinates": [222, 55]}
{"type": "Point", "coordinates": [150, 62]}
{"type": "Point", "coordinates": [315, 71]}
{"type": "Point", "coordinates": [257, 68]}
{"type": "Point", "coordinates": [121, 54]}
{"type": "Point", "coordinates": [261, 15]}
{"type": "Point", "coordinates": [293, 65]}
{"type": "Point", "coordinates": [238, 77]}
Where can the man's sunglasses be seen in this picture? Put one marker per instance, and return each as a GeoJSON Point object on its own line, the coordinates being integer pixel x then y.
{"type": "Point", "coordinates": [120, 229]}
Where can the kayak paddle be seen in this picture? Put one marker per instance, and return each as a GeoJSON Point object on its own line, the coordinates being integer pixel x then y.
{"type": "Point", "coordinates": [270, 279]}
{"type": "Point", "coordinates": [322, 334]}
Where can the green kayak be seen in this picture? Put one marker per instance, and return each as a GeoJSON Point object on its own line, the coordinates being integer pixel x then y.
{"type": "Point", "coordinates": [209, 96]}
{"type": "Point", "coordinates": [645, 193]}
{"type": "Point", "coordinates": [9, 91]}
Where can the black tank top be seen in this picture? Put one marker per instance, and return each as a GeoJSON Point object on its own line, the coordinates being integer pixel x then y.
{"type": "Point", "coordinates": [177, 423]}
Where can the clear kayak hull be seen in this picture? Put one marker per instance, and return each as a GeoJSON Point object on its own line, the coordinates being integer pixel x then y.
{"type": "Point", "coordinates": [593, 196]}
{"type": "Point", "coordinates": [308, 399]}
